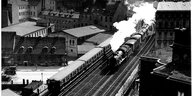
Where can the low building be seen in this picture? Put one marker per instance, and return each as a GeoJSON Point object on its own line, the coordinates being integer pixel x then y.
{"type": "Point", "coordinates": [171, 15]}
{"type": "Point", "coordinates": [35, 88]}
{"type": "Point", "coordinates": [31, 29]}
{"type": "Point", "coordinates": [77, 36]}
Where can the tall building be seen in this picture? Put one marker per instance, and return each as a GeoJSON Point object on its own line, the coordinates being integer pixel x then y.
{"type": "Point", "coordinates": [22, 10]}
{"type": "Point", "coordinates": [172, 79]}
{"type": "Point", "coordinates": [171, 15]}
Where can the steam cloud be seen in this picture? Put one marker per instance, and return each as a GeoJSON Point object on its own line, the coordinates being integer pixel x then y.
{"type": "Point", "coordinates": [143, 11]}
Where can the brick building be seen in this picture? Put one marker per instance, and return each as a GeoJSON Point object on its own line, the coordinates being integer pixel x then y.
{"type": "Point", "coordinates": [171, 15]}
{"type": "Point", "coordinates": [30, 51]}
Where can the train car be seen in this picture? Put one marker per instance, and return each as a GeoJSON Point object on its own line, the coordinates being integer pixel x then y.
{"type": "Point", "coordinates": [133, 43]}
{"type": "Point", "coordinates": [60, 79]}
{"type": "Point", "coordinates": [93, 57]}
{"type": "Point", "coordinates": [108, 53]}
{"type": "Point", "coordinates": [137, 37]}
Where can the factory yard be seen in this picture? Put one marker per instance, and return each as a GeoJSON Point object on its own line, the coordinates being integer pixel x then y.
{"type": "Point", "coordinates": [34, 73]}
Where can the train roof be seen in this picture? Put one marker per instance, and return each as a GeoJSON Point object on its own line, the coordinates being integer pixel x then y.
{"type": "Point", "coordinates": [137, 36]}
{"type": "Point", "coordinates": [131, 41]}
{"type": "Point", "coordinates": [67, 70]}
{"type": "Point", "coordinates": [138, 33]}
{"type": "Point", "coordinates": [106, 42]}
{"type": "Point", "coordinates": [90, 54]}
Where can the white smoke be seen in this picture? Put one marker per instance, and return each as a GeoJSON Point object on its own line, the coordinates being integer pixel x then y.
{"type": "Point", "coordinates": [143, 11]}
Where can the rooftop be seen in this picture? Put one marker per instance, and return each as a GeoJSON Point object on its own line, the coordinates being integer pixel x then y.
{"type": "Point", "coordinates": [176, 6]}
{"type": "Point", "coordinates": [23, 28]}
{"type": "Point", "coordinates": [85, 47]}
{"type": "Point", "coordinates": [173, 75]}
{"type": "Point", "coordinates": [8, 92]}
{"type": "Point", "coordinates": [84, 31]}
{"type": "Point", "coordinates": [99, 38]}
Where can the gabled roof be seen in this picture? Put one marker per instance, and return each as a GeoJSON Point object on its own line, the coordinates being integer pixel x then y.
{"type": "Point", "coordinates": [84, 31]}
{"type": "Point", "coordinates": [174, 6]}
{"type": "Point", "coordinates": [8, 92]}
{"type": "Point", "coordinates": [23, 28]}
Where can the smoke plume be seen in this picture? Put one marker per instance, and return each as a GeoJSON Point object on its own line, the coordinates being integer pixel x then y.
{"type": "Point", "coordinates": [143, 11]}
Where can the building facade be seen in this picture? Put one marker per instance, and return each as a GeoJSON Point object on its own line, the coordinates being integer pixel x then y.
{"type": "Point", "coordinates": [22, 10]}
{"type": "Point", "coordinates": [62, 20]}
{"type": "Point", "coordinates": [170, 15]}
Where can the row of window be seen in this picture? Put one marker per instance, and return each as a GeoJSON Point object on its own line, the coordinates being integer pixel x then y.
{"type": "Point", "coordinates": [26, 7]}
{"type": "Point", "coordinates": [164, 42]}
{"type": "Point", "coordinates": [72, 42]}
{"type": "Point", "coordinates": [165, 33]}
{"type": "Point", "coordinates": [26, 13]}
{"type": "Point", "coordinates": [23, 7]}
{"type": "Point", "coordinates": [173, 15]}
{"type": "Point", "coordinates": [173, 24]}
{"type": "Point", "coordinates": [101, 18]}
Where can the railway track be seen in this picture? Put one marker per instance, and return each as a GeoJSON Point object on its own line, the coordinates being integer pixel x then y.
{"type": "Point", "coordinates": [111, 91]}
{"type": "Point", "coordinates": [78, 79]}
{"type": "Point", "coordinates": [97, 82]}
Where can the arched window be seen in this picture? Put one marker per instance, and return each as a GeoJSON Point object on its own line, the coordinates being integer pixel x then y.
{"type": "Point", "coordinates": [29, 50]}
{"type": "Point", "coordinates": [45, 50]}
{"type": "Point", "coordinates": [21, 49]}
{"type": "Point", "coordinates": [53, 49]}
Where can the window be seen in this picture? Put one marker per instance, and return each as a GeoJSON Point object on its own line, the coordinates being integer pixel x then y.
{"type": "Point", "coordinates": [101, 18]}
{"type": "Point", "coordinates": [70, 42]}
{"type": "Point", "coordinates": [71, 50]}
{"type": "Point", "coordinates": [110, 19]}
{"type": "Point", "coordinates": [73, 42]}
{"type": "Point", "coordinates": [171, 33]}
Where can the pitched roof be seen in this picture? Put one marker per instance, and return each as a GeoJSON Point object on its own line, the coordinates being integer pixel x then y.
{"type": "Point", "coordinates": [85, 47]}
{"type": "Point", "coordinates": [99, 38]}
{"type": "Point", "coordinates": [8, 92]}
{"type": "Point", "coordinates": [23, 28]}
{"type": "Point", "coordinates": [176, 6]}
{"type": "Point", "coordinates": [84, 31]}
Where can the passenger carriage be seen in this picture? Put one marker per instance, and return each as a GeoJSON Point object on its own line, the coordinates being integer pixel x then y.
{"type": "Point", "coordinates": [63, 77]}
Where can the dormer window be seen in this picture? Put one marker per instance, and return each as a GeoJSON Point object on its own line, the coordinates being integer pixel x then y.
{"type": "Point", "coordinates": [52, 51]}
